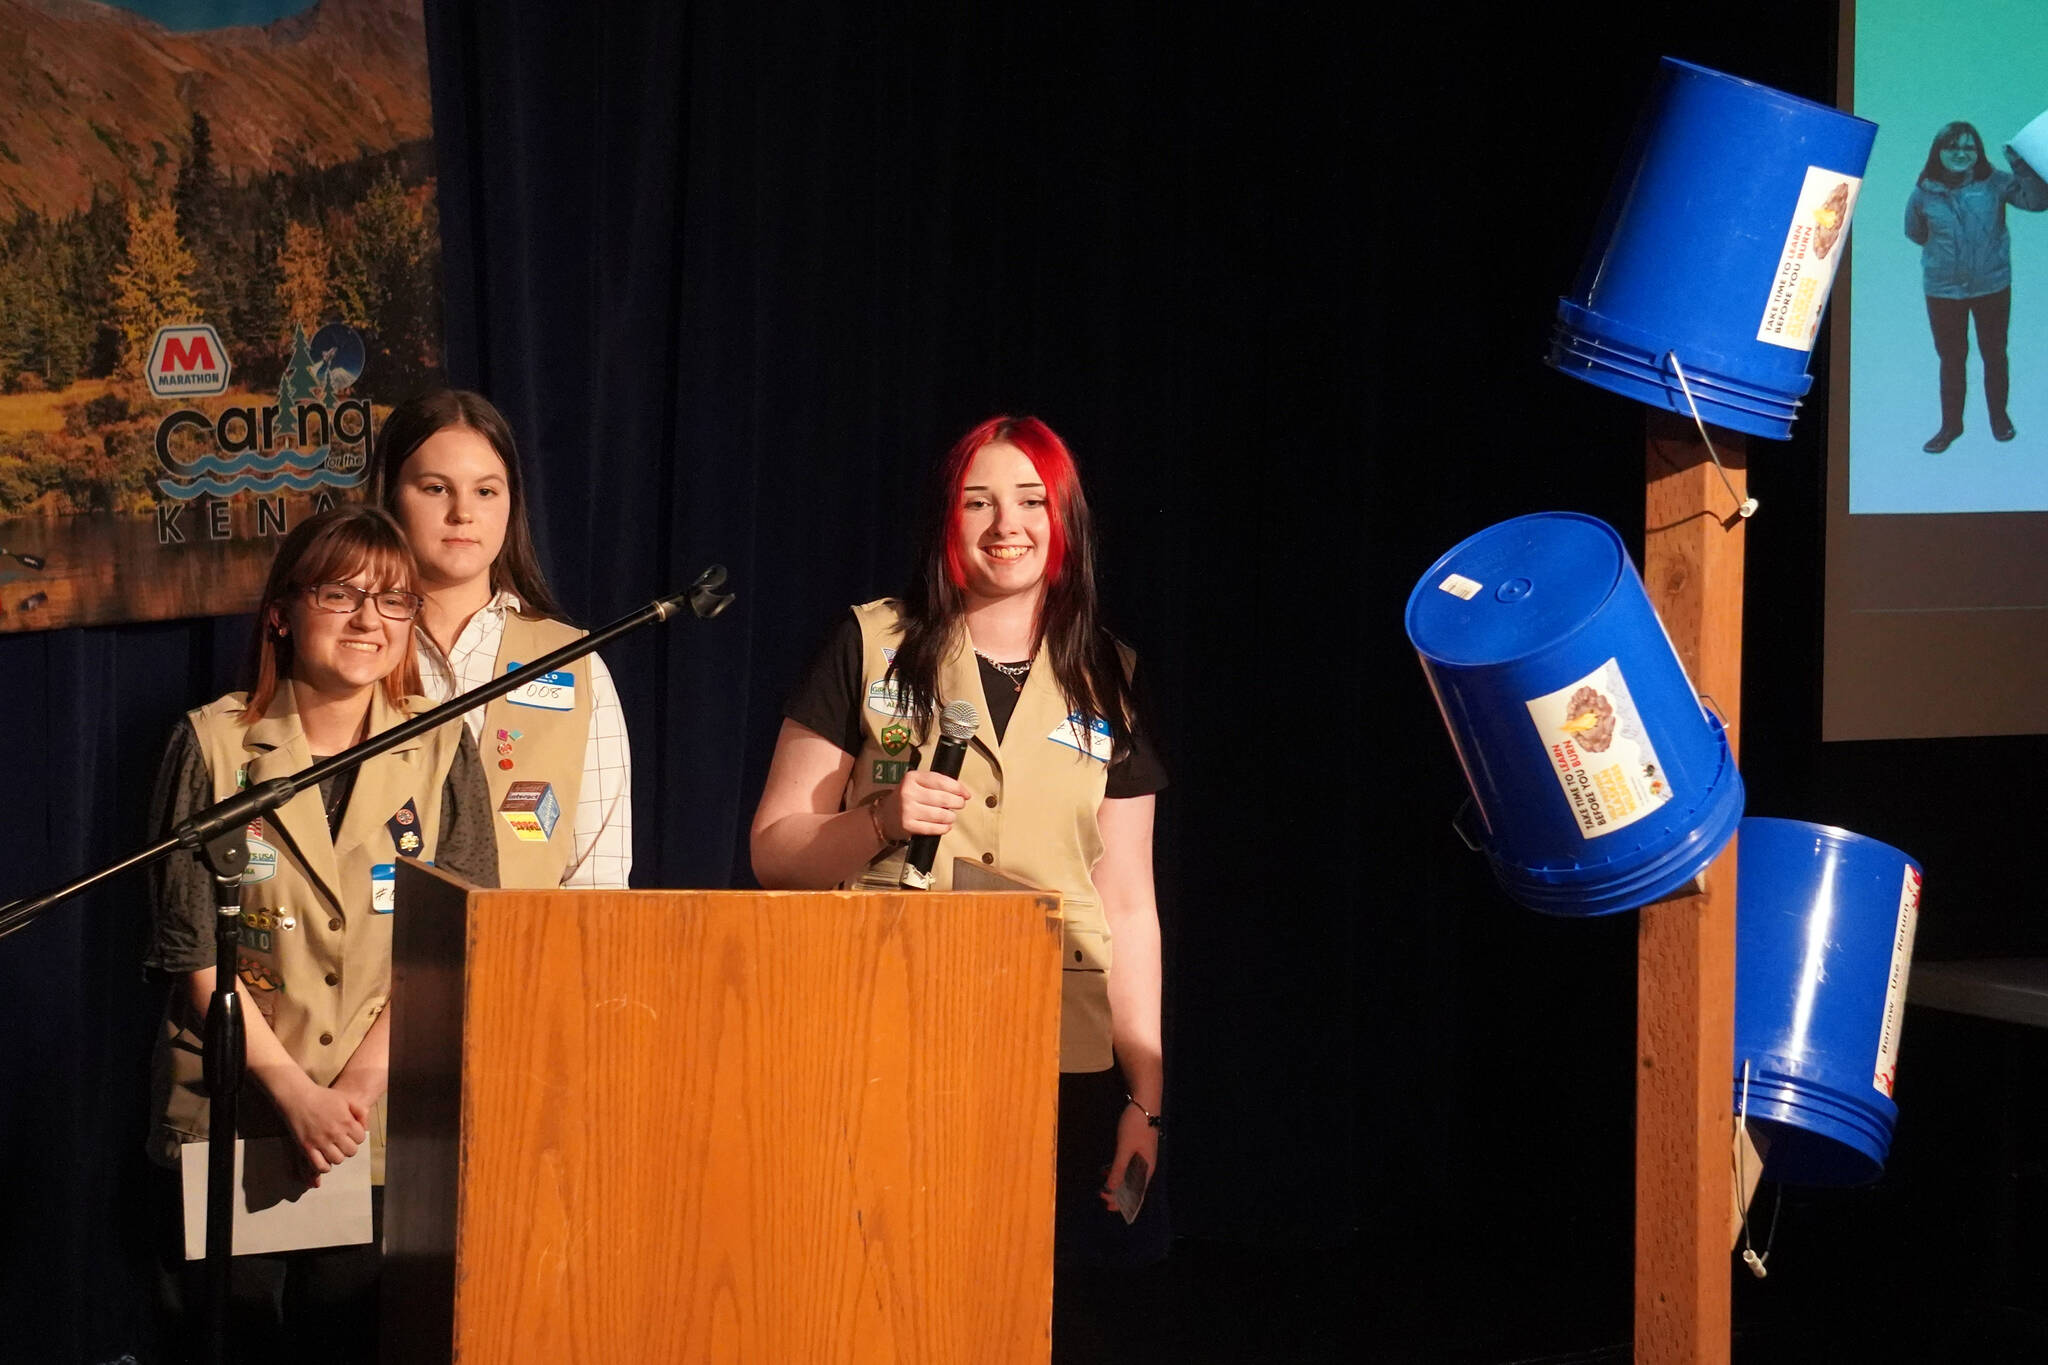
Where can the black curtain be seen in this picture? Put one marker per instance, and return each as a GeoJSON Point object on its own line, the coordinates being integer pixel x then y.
{"type": "Point", "coordinates": [1281, 276]}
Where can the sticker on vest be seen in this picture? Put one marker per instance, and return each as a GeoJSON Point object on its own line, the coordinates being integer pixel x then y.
{"type": "Point", "coordinates": [886, 698]}
{"type": "Point", "coordinates": [550, 691]}
{"type": "Point", "coordinates": [889, 774]}
{"type": "Point", "coordinates": [404, 825]}
{"type": "Point", "coordinates": [262, 861]}
{"type": "Point", "coordinates": [384, 888]}
{"type": "Point", "coordinates": [895, 739]}
{"type": "Point", "coordinates": [1090, 737]}
{"type": "Point", "coordinates": [532, 810]}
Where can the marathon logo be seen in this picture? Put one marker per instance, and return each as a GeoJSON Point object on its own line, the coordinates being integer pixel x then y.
{"type": "Point", "coordinates": [187, 359]}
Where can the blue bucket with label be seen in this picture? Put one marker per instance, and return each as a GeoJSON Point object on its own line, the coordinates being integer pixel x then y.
{"type": "Point", "coordinates": [1824, 924]}
{"type": "Point", "coordinates": [1599, 782]}
{"type": "Point", "coordinates": [1712, 260]}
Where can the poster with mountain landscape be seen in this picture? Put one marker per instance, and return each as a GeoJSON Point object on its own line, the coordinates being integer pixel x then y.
{"type": "Point", "coordinates": [219, 266]}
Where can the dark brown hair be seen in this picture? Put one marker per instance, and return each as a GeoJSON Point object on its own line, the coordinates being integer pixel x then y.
{"type": "Point", "coordinates": [328, 547]}
{"type": "Point", "coordinates": [1085, 661]}
{"type": "Point", "coordinates": [1949, 136]}
{"type": "Point", "coordinates": [419, 417]}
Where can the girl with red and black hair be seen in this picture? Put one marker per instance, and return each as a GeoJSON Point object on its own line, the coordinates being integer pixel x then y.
{"type": "Point", "coordinates": [1001, 613]}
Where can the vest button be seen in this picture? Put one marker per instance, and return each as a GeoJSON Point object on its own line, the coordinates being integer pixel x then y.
{"type": "Point", "coordinates": [991, 803]}
{"type": "Point", "coordinates": [326, 1040]}
{"type": "Point", "coordinates": [988, 857]}
{"type": "Point", "coordinates": [335, 925]}
{"type": "Point", "coordinates": [1077, 954]}
{"type": "Point", "coordinates": [333, 980]}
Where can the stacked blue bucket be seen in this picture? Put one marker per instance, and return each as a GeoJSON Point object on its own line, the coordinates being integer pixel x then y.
{"type": "Point", "coordinates": [1824, 923]}
{"type": "Point", "coordinates": [1599, 782]}
{"type": "Point", "coordinates": [1717, 247]}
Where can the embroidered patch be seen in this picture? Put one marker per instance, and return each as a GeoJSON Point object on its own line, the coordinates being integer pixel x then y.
{"type": "Point", "coordinates": [262, 861]}
{"type": "Point", "coordinates": [895, 739]}
{"type": "Point", "coordinates": [549, 692]}
{"type": "Point", "coordinates": [889, 653]}
{"type": "Point", "coordinates": [260, 977]}
{"type": "Point", "coordinates": [889, 774]}
{"type": "Point", "coordinates": [1090, 737]}
{"type": "Point", "coordinates": [531, 809]}
{"type": "Point", "coordinates": [886, 698]}
{"type": "Point", "coordinates": [404, 828]}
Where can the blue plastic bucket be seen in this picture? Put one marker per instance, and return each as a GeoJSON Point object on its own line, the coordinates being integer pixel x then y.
{"type": "Point", "coordinates": [1718, 245]}
{"type": "Point", "coordinates": [1824, 925]}
{"type": "Point", "coordinates": [1599, 782]}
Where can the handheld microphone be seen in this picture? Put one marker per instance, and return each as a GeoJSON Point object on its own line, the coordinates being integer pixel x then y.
{"type": "Point", "coordinates": [957, 724]}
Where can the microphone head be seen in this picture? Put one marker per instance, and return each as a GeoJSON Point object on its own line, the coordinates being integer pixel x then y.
{"type": "Point", "coordinates": [959, 721]}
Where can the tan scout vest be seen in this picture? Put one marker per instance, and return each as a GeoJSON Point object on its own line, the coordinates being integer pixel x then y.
{"type": "Point", "coordinates": [548, 747]}
{"type": "Point", "coordinates": [1032, 816]}
{"type": "Point", "coordinates": [315, 952]}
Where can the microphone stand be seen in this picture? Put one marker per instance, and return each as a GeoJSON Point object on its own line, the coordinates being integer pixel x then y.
{"type": "Point", "coordinates": [219, 836]}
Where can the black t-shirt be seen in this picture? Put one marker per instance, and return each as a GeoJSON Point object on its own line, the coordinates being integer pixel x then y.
{"type": "Point", "coordinates": [829, 696]}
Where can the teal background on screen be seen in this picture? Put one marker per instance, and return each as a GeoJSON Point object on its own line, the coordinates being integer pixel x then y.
{"type": "Point", "coordinates": [1919, 66]}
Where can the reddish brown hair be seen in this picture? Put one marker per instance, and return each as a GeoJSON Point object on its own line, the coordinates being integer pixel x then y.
{"type": "Point", "coordinates": [328, 547]}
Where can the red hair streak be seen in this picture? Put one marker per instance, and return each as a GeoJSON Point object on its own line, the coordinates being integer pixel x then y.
{"type": "Point", "coordinates": [1048, 455]}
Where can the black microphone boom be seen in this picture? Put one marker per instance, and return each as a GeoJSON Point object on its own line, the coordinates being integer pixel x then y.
{"type": "Point", "coordinates": [957, 724]}
{"type": "Point", "coordinates": [702, 598]}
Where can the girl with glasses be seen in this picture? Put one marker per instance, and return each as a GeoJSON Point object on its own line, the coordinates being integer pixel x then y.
{"type": "Point", "coordinates": [447, 468]}
{"type": "Point", "coordinates": [330, 664]}
{"type": "Point", "coordinates": [1956, 216]}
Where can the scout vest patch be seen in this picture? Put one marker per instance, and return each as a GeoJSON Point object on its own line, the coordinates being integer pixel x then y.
{"type": "Point", "coordinates": [404, 826]}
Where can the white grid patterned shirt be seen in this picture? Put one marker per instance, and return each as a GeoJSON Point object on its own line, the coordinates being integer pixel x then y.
{"type": "Point", "coordinates": [603, 853]}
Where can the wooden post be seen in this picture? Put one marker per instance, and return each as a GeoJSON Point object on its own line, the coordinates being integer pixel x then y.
{"type": "Point", "coordinates": [1685, 963]}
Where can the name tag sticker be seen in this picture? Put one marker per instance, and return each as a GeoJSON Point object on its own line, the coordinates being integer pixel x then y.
{"type": "Point", "coordinates": [262, 862]}
{"type": "Point", "coordinates": [886, 697]}
{"type": "Point", "coordinates": [1090, 737]}
{"type": "Point", "coordinates": [384, 888]}
{"type": "Point", "coordinates": [550, 691]}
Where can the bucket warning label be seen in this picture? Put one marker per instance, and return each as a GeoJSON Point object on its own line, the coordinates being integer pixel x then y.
{"type": "Point", "coordinates": [1895, 983]}
{"type": "Point", "coordinates": [1601, 754]}
{"type": "Point", "coordinates": [1806, 267]}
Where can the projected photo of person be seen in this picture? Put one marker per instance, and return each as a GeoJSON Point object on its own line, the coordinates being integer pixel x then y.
{"type": "Point", "coordinates": [1957, 217]}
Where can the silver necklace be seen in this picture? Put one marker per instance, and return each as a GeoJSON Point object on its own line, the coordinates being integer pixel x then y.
{"type": "Point", "coordinates": [1016, 673]}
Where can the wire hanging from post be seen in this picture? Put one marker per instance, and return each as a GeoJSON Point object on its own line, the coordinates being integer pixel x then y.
{"type": "Point", "coordinates": [1745, 507]}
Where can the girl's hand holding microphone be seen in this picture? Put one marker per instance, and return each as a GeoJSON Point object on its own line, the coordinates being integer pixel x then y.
{"type": "Point", "coordinates": [925, 802]}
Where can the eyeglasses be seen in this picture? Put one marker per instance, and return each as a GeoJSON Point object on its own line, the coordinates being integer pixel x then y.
{"type": "Point", "coordinates": [346, 599]}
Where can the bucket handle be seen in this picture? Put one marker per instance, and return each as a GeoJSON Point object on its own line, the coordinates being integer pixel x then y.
{"type": "Point", "coordinates": [1756, 1261]}
{"type": "Point", "coordinates": [1745, 507]}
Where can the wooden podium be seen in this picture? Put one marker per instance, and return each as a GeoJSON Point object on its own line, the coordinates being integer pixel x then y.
{"type": "Point", "coordinates": [720, 1126]}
